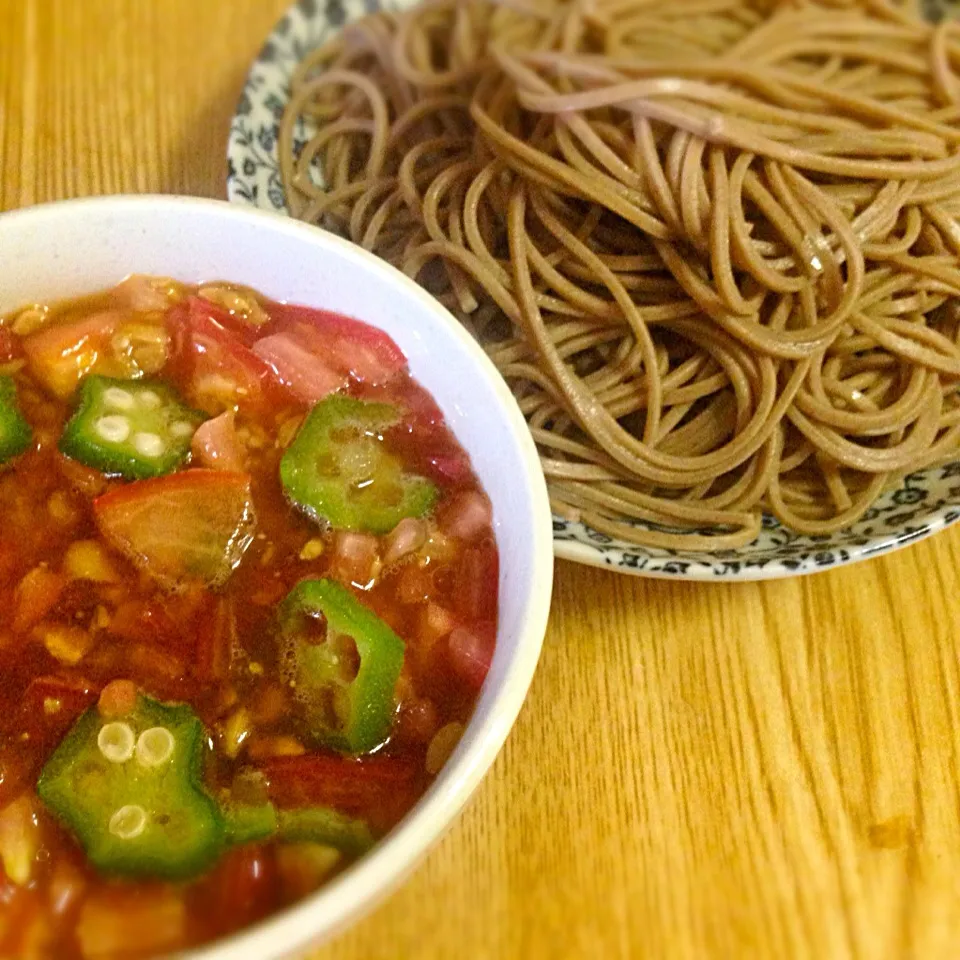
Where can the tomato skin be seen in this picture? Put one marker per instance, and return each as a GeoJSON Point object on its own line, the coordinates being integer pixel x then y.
{"type": "Point", "coordinates": [365, 352]}
{"type": "Point", "coordinates": [380, 789]}
{"type": "Point", "coordinates": [299, 367]}
{"type": "Point", "coordinates": [216, 640]}
{"type": "Point", "coordinates": [60, 356]}
{"type": "Point", "coordinates": [209, 345]}
{"type": "Point", "coordinates": [422, 439]}
{"type": "Point", "coordinates": [192, 526]}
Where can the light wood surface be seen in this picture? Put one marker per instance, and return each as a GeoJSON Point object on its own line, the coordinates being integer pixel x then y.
{"type": "Point", "coordinates": [702, 771]}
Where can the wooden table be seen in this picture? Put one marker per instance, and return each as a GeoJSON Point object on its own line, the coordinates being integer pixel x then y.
{"type": "Point", "coordinates": [703, 771]}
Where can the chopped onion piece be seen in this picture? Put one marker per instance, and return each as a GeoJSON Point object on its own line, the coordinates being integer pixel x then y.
{"type": "Point", "coordinates": [216, 443]}
{"type": "Point", "coordinates": [408, 535]}
{"type": "Point", "coordinates": [468, 516]}
{"type": "Point", "coordinates": [355, 556]}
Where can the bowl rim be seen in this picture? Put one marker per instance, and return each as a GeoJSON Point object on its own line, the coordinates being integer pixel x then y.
{"type": "Point", "coordinates": [329, 910]}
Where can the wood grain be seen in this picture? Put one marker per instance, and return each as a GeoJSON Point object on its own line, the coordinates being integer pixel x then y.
{"type": "Point", "coordinates": [701, 771]}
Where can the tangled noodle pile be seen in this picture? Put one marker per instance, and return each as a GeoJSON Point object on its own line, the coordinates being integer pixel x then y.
{"type": "Point", "coordinates": [711, 245]}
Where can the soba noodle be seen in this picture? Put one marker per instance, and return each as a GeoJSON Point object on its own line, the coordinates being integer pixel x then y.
{"type": "Point", "coordinates": [712, 245]}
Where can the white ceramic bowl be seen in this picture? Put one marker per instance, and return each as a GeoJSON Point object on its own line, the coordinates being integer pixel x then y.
{"type": "Point", "coordinates": [79, 246]}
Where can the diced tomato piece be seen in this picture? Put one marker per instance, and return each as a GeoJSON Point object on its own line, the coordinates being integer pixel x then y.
{"type": "Point", "coordinates": [379, 788]}
{"type": "Point", "coordinates": [158, 672]}
{"type": "Point", "coordinates": [422, 440]}
{"type": "Point", "coordinates": [303, 371]}
{"type": "Point", "coordinates": [210, 357]}
{"type": "Point", "coordinates": [447, 469]}
{"type": "Point", "coordinates": [190, 526]}
{"type": "Point", "coordinates": [62, 355]}
{"type": "Point", "coordinates": [167, 621]}
{"type": "Point", "coordinates": [54, 702]}
{"type": "Point", "coordinates": [138, 622]}
{"type": "Point", "coordinates": [418, 720]}
{"type": "Point", "coordinates": [468, 516]}
{"type": "Point", "coordinates": [216, 444]}
{"type": "Point", "coordinates": [364, 352]}
{"type": "Point", "coordinates": [422, 410]}
{"type": "Point", "coordinates": [216, 640]}
{"type": "Point", "coordinates": [431, 452]}
{"type": "Point", "coordinates": [50, 706]}
{"type": "Point", "coordinates": [470, 649]}
{"type": "Point", "coordinates": [243, 886]}
{"type": "Point", "coordinates": [85, 480]}
{"type": "Point", "coordinates": [477, 582]}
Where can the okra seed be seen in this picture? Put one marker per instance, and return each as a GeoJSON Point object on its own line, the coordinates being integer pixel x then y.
{"type": "Point", "coordinates": [155, 746]}
{"type": "Point", "coordinates": [128, 822]}
{"type": "Point", "coordinates": [113, 428]}
{"type": "Point", "coordinates": [148, 444]}
{"type": "Point", "coordinates": [116, 741]}
{"type": "Point", "coordinates": [181, 428]}
{"type": "Point", "coordinates": [149, 399]}
{"type": "Point", "coordinates": [118, 399]}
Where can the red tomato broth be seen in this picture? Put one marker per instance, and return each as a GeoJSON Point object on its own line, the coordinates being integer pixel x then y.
{"type": "Point", "coordinates": [213, 648]}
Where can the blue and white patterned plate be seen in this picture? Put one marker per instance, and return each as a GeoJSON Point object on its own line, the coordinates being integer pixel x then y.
{"type": "Point", "coordinates": [926, 503]}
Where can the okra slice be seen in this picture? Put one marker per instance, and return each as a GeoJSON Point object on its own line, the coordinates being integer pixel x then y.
{"type": "Point", "coordinates": [324, 825]}
{"type": "Point", "coordinates": [247, 823]}
{"type": "Point", "coordinates": [256, 822]}
{"type": "Point", "coordinates": [344, 663]}
{"type": "Point", "coordinates": [134, 429]}
{"type": "Point", "coordinates": [338, 469]}
{"type": "Point", "coordinates": [130, 789]}
{"type": "Point", "coordinates": [15, 432]}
